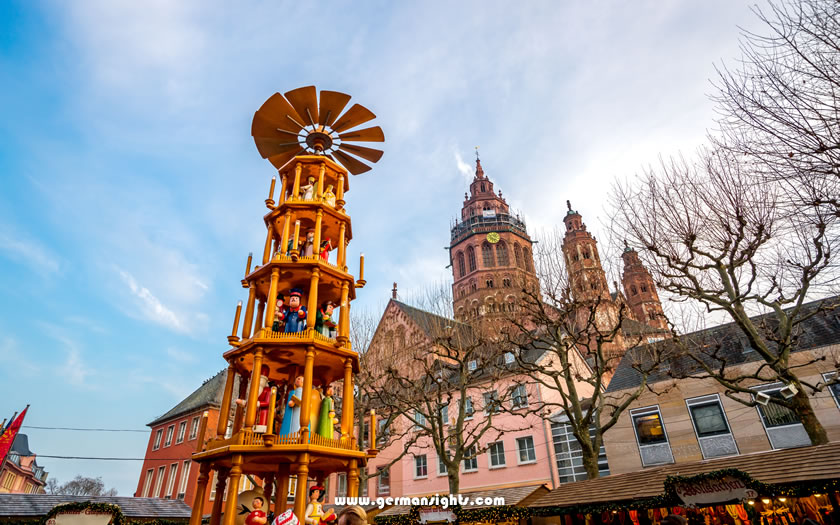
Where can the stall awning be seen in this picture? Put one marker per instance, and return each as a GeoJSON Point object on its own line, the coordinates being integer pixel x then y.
{"type": "Point", "coordinates": [776, 467]}
{"type": "Point", "coordinates": [513, 496]}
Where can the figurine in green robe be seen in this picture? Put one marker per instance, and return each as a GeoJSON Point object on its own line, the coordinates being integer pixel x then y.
{"type": "Point", "coordinates": [327, 419]}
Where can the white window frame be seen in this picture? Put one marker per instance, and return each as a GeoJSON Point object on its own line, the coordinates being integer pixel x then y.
{"type": "Point", "coordinates": [419, 420]}
{"type": "Point", "coordinates": [829, 376]}
{"type": "Point", "coordinates": [706, 400]}
{"type": "Point", "coordinates": [494, 398]}
{"type": "Point", "coordinates": [213, 482]}
{"type": "Point", "coordinates": [194, 427]}
{"type": "Point", "coordinates": [490, 464]}
{"type": "Point", "coordinates": [768, 389]}
{"type": "Point", "coordinates": [509, 358]}
{"type": "Point", "coordinates": [385, 490]}
{"type": "Point", "coordinates": [158, 439]}
{"type": "Point", "coordinates": [182, 432]}
{"type": "Point", "coordinates": [519, 449]}
{"type": "Point", "coordinates": [417, 464]}
{"type": "Point", "coordinates": [341, 484]}
{"type": "Point", "coordinates": [159, 481]}
{"type": "Point", "coordinates": [469, 409]}
{"type": "Point", "coordinates": [444, 415]}
{"type": "Point", "coordinates": [147, 485]}
{"type": "Point", "coordinates": [170, 483]}
{"type": "Point", "coordinates": [442, 469]}
{"type": "Point", "coordinates": [513, 396]}
{"type": "Point", "coordinates": [472, 365]}
{"type": "Point", "coordinates": [646, 411]}
{"type": "Point", "coordinates": [185, 478]}
{"type": "Point", "coordinates": [470, 451]}
{"type": "Point", "coordinates": [170, 431]}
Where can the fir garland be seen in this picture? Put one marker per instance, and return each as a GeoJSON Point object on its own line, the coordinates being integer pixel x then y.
{"type": "Point", "coordinates": [117, 519]}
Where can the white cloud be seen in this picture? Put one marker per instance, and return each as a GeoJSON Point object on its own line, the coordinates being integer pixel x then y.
{"type": "Point", "coordinates": [150, 306]}
{"type": "Point", "coordinates": [465, 169]}
{"type": "Point", "coordinates": [73, 369]}
{"type": "Point", "coordinates": [28, 251]}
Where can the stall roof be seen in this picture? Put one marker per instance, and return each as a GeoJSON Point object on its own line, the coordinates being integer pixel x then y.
{"type": "Point", "coordinates": [515, 496]}
{"type": "Point", "coordinates": [777, 467]}
{"type": "Point", "coordinates": [20, 505]}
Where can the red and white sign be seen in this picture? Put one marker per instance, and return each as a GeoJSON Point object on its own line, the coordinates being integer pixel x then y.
{"type": "Point", "coordinates": [433, 514]}
{"type": "Point", "coordinates": [707, 492]}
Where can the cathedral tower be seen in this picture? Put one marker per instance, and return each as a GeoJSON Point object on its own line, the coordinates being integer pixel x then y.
{"type": "Point", "coordinates": [490, 251]}
{"type": "Point", "coordinates": [640, 291]}
{"type": "Point", "coordinates": [586, 276]}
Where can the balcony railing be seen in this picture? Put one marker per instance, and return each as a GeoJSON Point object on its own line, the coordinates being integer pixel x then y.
{"type": "Point", "coordinates": [249, 437]}
{"type": "Point", "coordinates": [500, 222]}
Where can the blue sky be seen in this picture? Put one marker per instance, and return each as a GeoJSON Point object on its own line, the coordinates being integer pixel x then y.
{"type": "Point", "coordinates": [131, 191]}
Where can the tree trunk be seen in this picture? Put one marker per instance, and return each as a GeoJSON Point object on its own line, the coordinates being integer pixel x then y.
{"type": "Point", "coordinates": [590, 462]}
{"type": "Point", "coordinates": [802, 407]}
{"type": "Point", "coordinates": [454, 482]}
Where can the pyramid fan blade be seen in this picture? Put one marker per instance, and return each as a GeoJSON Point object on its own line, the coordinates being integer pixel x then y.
{"type": "Point", "coordinates": [364, 135]}
{"type": "Point", "coordinates": [303, 99]}
{"type": "Point", "coordinates": [279, 160]}
{"type": "Point", "coordinates": [273, 115]}
{"type": "Point", "coordinates": [355, 116]}
{"type": "Point", "coordinates": [370, 154]}
{"type": "Point", "coordinates": [332, 104]}
{"type": "Point", "coordinates": [268, 147]}
{"type": "Point", "coordinates": [353, 166]}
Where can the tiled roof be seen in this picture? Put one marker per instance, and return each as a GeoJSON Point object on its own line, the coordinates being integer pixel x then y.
{"type": "Point", "coordinates": [431, 324]}
{"type": "Point", "coordinates": [513, 496]}
{"type": "Point", "coordinates": [820, 462]}
{"type": "Point", "coordinates": [20, 505]}
{"type": "Point", "coordinates": [208, 394]}
{"type": "Point", "coordinates": [728, 343]}
{"type": "Point", "coordinates": [21, 446]}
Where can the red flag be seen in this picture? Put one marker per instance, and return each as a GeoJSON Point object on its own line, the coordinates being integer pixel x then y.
{"type": "Point", "coordinates": [9, 435]}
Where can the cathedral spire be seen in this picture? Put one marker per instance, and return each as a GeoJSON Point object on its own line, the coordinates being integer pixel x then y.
{"type": "Point", "coordinates": [479, 171]}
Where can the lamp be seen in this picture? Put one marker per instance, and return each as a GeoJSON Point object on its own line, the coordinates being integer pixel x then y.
{"type": "Point", "coordinates": [761, 398]}
{"type": "Point", "coordinates": [789, 391]}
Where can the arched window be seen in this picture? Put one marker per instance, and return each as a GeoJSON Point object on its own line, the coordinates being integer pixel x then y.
{"type": "Point", "coordinates": [506, 282]}
{"type": "Point", "coordinates": [526, 256]}
{"type": "Point", "coordinates": [517, 254]}
{"type": "Point", "coordinates": [473, 286]}
{"type": "Point", "coordinates": [489, 283]}
{"type": "Point", "coordinates": [633, 289]}
{"type": "Point", "coordinates": [586, 254]}
{"type": "Point", "coordinates": [644, 288]}
{"type": "Point", "coordinates": [471, 258]}
{"type": "Point", "coordinates": [462, 268]}
{"type": "Point", "coordinates": [502, 254]}
{"type": "Point", "coordinates": [487, 259]}
{"type": "Point", "coordinates": [652, 315]}
{"type": "Point", "coordinates": [482, 186]}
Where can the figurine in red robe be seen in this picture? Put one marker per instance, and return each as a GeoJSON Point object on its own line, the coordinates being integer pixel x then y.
{"type": "Point", "coordinates": [256, 516]}
{"type": "Point", "coordinates": [263, 401]}
{"type": "Point", "coordinates": [326, 248]}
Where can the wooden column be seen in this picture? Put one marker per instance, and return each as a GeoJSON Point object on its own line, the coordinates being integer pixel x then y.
{"type": "Point", "coordinates": [267, 250]}
{"type": "Point", "coordinates": [200, 494]}
{"type": "Point", "coordinates": [268, 490]}
{"type": "Point", "coordinates": [240, 409]}
{"type": "Point", "coordinates": [221, 480]}
{"type": "Point", "coordinates": [339, 193]}
{"type": "Point", "coordinates": [248, 323]}
{"type": "Point", "coordinates": [320, 191]}
{"type": "Point", "coordinates": [272, 297]}
{"type": "Point", "coordinates": [233, 483]}
{"type": "Point", "coordinates": [341, 259]}
{"type": "Point", "coordinates": [280, 502]}
{"type": "Point", "coordinates": [260, 314]}
{"type": "Point", "coordinates": [307, 394]}
{"type": "Point", "coordinates": [353, 479]}
{"type": "Point", "coordinates": [312, 299]}
{"type": "Point", "coordinates": [284, 241]}
{"type": "Point", "coordinates": [224, 411]}
{"type": "Point", "coordinates": [301, 497]}
{"type": "Point", "coordinates": [295, 193]}
{"type": "Point", "coordinates": [347, 400]}
{"type": "Point", "coordinates": [316, 242]}
{"type": "Point", "coordinates": [344, 314]}
{"type": "Point", "coordinates": [283, 189]}
{"type": "Point", "coordinates": [254, 392]}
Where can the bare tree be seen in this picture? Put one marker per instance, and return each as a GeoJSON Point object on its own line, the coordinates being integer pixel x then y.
{"type": "Point", "coordinates": [780, 106]}
{"type": "Point", "coordinates": [571, 346]}
{"type": "Point", "coordinates": [441, 393]}
{"type": "Point", "coordinates": [80, 486]}
{"type": "Point", "coordinates": [715, 232]}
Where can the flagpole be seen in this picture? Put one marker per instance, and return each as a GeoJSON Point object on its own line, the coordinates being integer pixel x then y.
{"type": "Point", "coordinates": [6, 455]}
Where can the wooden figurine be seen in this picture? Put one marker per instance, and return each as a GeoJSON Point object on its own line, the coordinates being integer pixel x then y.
{"type": "Point", "coordinates": [263, 401]}
{"type": "Point", "coordinates": [327, 419]}
{"type": "Point", "coordinates": [324, 324]}
{"type": "Point", "coordinates": [329, 196]}
{"type": "Point", "coordinates": [326, 248]}
{"type": "Point", "coordinates": [256, 516]}
{"type": "Point", "coordinates": [315, 515]}
{"type": "Point", "coordinates": [308, 249]}
{"type": "Point", "coordinates": [291, 419]}
{"type": "Point", "coordinates": [293, 316]}
{"type": "Point", "coordinates": [276, 326]}
{"type": "Point", "coordinates": [308, 190]}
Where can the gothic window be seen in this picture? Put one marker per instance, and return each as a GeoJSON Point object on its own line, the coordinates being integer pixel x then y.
{"type": "Point", "coordinates": [526, 255]}
{"type": "Point", "coordinates": [482, 186]}
{"type": "Point", "coordinates": [487, 259]}
{"type": "Point", "coordinates": [594, 286]}
{"type": "Point", "coordinates": [502, 254]}
{"type": "Point", "coordinates": [472, 212]}
{"type": "Point", "coordinates": [652, 315]}
{"type": "Point", "coordinates": [471, 258]}
{"type": "Point", "coordinates": [462, 268]}
{"type": "Point", "coordinates": [586, 254]}
{"type": "Point", "coordinates": [576, 257]}
{"type": "Point", "coordinates": [489, 283]}
{"type": "Point", "coordinates": [517, 254]}
{"type": "Point", "coordinates": [473, 286]}
{"type": "Point", "coordinates": [633, 289]}
{"type": "Point", "coordinates": [644, 288]}
{"type": "Point", "coordinates": [506, 282]}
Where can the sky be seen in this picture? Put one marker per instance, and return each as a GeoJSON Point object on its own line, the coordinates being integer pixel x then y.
{"type": "Point", "coordinates": [131, 191]}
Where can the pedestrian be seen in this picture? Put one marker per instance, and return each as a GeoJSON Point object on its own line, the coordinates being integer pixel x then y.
{"type": "Point", "coordinates": [353, 515]}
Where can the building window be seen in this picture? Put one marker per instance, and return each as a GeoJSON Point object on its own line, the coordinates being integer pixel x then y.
{"type": "Point", "coordinates": [147, 484]}
{"type": "Point", "coordinates": [497, 454]}
{"type": "Point", "coordinates": [213, 482]}
{"type": "Point", "coordinates": [462, 267]}
{"type": "Point", "coordinates": [782, 425]}
{"type": "Point", "coordinates": [470, 460]}
{"type": "Point", "coordinates": [525, 446]}
{"type": "Point", "coordinates": [651, 437]}
{"type": "Point", "coordinates": [644, 288]}
{"type": "Point", "coordinates": [506, 282]}
{"type": "Point", "coordinates": [8, 481]}
{"type": "Point", "coordinates": [570, 457]}
{"type": "Point", "coordinates": [341, 484]}
{"type": "Point", "coordinates": [491, 402]}
{"type": "Point", "coordinates": [487, 259]}
{"type": "Point", "coordinates": [159, 482]}
{"type": "Point", "coordinates": [383, 483]}
{"type": "Point", "coordinates": [472, 365]}
{"type": "Point", "coordinates": [520, 397]}
{"type": "Point", "coordinates": [365, 433]}
{"type": "Point", "coordinates": [185, 478]}
{"type": "Point", "coordinates": [517, 254]}
{"type": "Point", "coordinates": [834, 388]}
{"type": "Point", "coordinates": [526, 256]}
{"type": "Point", "coordinates": [509, 358]}
{"type": "Point", "coordinates": [182, 431]}
{"type": "Point", "coordinates": [711, 427]}
{"type": "Point", "coordinates": [442, 469]}
{"type": "Point", "coordinates": [194, 428]}
{"type": "Point", "coordinates": [468, 409]}
{"type": "Point", "coordinates": [169, 431]}
{"type": "Point", "coordinates": [158, 437]}
{"type": "Point", "coordinates": [633, 290]}
{"type": "Point", "coordinates": [489, 283]}
{"type": "Point", "coordinates": [774, 415]}
{"type": "Point", "coordinates": [502, 254]}
{"type": "Point", "coordinates": [421, 469]}
{"type": "Point", "coordinates": [471, 258]}
{"type": "Point", "coordinates": [170, 485]}
{"type": "Point", "coordinates": [444, 415]}
{"type": "Point", "coordinates": [419, 420]}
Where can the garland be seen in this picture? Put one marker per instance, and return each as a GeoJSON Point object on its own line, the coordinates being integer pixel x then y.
{"type": "Point", "coordinates": [668, 499]}
{"type": "Point", "coordinates": [115, 511]}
